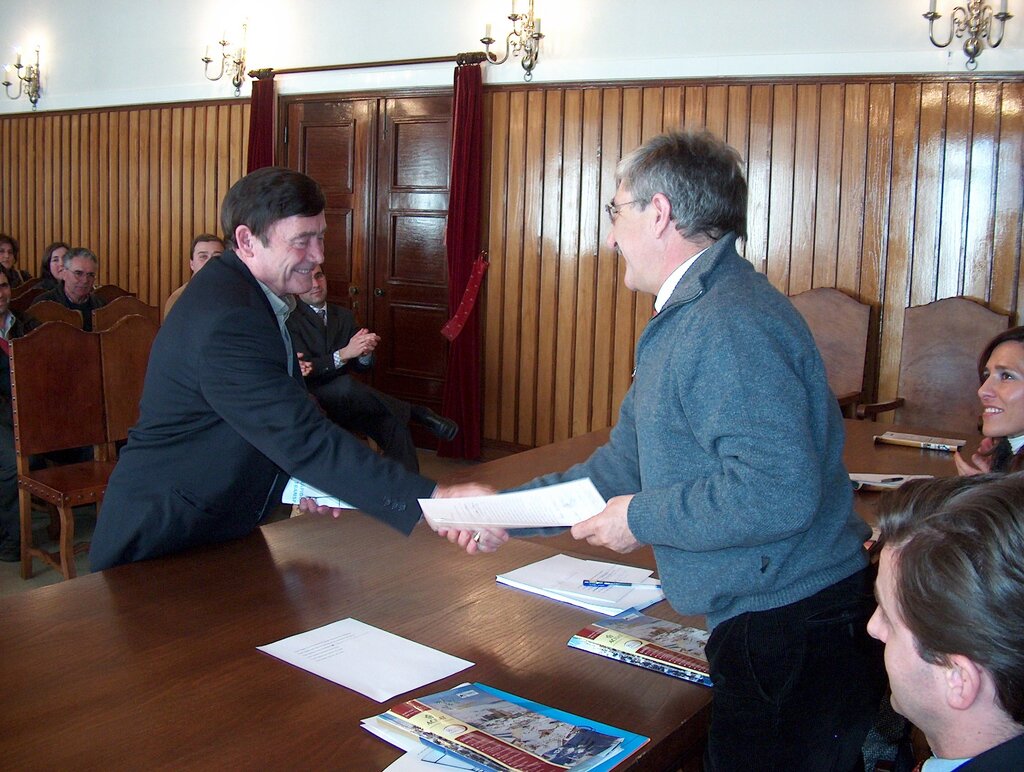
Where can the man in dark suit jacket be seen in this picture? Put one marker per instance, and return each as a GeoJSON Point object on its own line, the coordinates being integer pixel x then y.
{"type": "Point", "coordinates": [331, 347]}
{"type": "Point", "coordinates": [225, 418]}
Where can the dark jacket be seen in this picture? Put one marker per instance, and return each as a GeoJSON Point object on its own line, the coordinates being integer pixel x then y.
{"type": "Point", "coordinates": [87, 306]}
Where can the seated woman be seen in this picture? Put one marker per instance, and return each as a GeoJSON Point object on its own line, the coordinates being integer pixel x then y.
{"type": "Point", "coordinates": [1001, 370]}
{"type": "Point", "coordinates": [52, 264]}
{"type": "Point", "coordinates": [9, 261]}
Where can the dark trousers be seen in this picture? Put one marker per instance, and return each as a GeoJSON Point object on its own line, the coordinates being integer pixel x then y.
{"type": "Point", "coordinates": [796, 687]}
{"type": "Point", "coordinates": [10, 521]}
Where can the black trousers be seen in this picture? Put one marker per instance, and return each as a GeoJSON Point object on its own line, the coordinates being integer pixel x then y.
{"type": "Point", "coordinates": [796, 687]}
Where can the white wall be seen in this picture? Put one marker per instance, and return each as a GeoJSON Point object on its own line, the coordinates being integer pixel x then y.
{"type": "Point", "coordinates": [119, 52]}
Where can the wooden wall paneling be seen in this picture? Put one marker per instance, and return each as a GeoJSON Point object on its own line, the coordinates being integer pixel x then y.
{"type": "Point", "coordinates": [825, 253]}
{"type": "Point", "coordinates": [122, 206]}
{"type": "Point", "coordinates": [532, 243]}
{"type": "Point", "coordinates": [547, 318]}
{"type": "Point", "coordinates": [568, 263]}
{"type": "Point", "coordinates": [981, 190]}
{"type": "Point", "coordinates": [780, 211]}
{"type": "Point", "coordinates": [513, 259]}
{"type": "Point", "coordinates": [631, 124]}
{"type": "Point", "coordinates": [606, 356]}
{"type": "Point", "coordinates": [210, 170]}
{"type": "Point", "coordinates": [1007, 277]}
{"type": "Point", "coordinates": [495, 288]}
{"type": "Point", "coordinates": [91, 190]}
{"type": "Point", "coordinates": [108, 202]}
{"type": "Point", "coordinates": [99, 204]}
{"type": "Point", "coordinates": [759, 175]}
{"type": "Point", "coordinates": [927, 215]}
{"type": "Point", "coordinates": [673, 107]}
{"type": "Point", "coordinates": [957, 168]}
{"type": "Point", "coordinates": [693, 108]}
{"type": "Point", "coordinates": [716, 111]}
{"type": "Point", "coordinates": [805, 185]}
{"type": "Point", "coordinates": [588, 325]}
{"type": "Point", "coordinates": [170, 257]}
{"type": "Point", "coordinates": [653, 124]}
{"type": "Point", "coordinates": [850, 214]}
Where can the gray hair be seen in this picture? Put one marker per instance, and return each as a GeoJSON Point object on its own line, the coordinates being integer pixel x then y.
{"type": "Point", "coordinates": [85, 252]}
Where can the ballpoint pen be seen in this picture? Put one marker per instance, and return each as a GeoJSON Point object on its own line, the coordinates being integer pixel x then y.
{"type": "Point", "coordinates": [601, 583]}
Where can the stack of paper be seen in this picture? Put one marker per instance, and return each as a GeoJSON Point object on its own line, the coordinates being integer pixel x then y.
{"type": "Point", "coordinates": [882, 482]}
{"type": "Point", "coordinates": [561, 578]}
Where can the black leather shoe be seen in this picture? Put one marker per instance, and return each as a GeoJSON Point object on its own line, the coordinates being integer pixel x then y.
{"type": "Point", "coordinates": [441, 427]}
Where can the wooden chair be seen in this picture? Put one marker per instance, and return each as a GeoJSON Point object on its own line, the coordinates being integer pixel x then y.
{"type": "Point", "coordinates": [49, 311]}
{"type": "Point", "coordinates": [21, 301]}
{"type": "Point", "coordinates": [839, 325]}
{"type": "Point", "coordinates": [109, 292]}
{"type": "Point", "coordinates": [938, 374]}
{"type": "Point", "coordinates": [25, 286]}
{"type": "Point", "coordinates": [104, 317]}
{"type": "Point", "coordinates": [101, 375]}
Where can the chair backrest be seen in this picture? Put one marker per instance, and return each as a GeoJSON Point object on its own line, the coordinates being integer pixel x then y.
{"type": "Point", "coordinates": [57, 391]}
{"type": "Point", "coordinates": [839, 325]}
{"type": "Point", "coordinates": [21, 301]}
{"type": "Point", "coordinates": [938, 378]}
{"type": "Point", "coordinates": [124, 355]}
{"type": "Point", "coordinates": [108, 292]}
{"type": "Point", "coordinates": [24, 287]}
{"type": "Point", "coordinates": [49, 311]}
{"type": "Point", "coordinates": [104, 317]}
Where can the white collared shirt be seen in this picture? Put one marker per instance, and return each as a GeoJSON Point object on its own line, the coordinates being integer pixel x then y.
{"type": "Point", "coordinates": [673, 279]}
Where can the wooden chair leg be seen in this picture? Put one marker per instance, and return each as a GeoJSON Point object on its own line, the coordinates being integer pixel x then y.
{"type": "Point", "coordinates": [67, 541]}
{"type": "Point", "coordinates": [25, 512]}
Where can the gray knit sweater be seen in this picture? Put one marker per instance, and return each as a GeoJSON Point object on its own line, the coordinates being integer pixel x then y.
{"type": "Point", "coordinates": [732, 443]}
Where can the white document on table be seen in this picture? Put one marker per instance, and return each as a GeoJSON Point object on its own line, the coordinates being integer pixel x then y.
{"type": "Point", "coordinates": [563, 504]}
{"type": "Point", "coordinates": [878, 482]}
{"type": "Point", "coordinates": [560, 578]}
{"type": "Point", "coordinates": [417, 756]}
{"type": "Point", "coordinates": [365, 659]}
{"type": "Point", "coordinates": [296, 490]}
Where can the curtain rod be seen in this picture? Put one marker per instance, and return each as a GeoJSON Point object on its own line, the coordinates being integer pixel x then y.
{"type": "Point", "coordinates": [471, 57]}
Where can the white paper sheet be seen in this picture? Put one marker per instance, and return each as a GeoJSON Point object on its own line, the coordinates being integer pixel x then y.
{"type": "Point", "coordinates": [296, 490]}
{"type": "Point", "coordinates": [418, 757]}
{"type": "Point", "coordinates": [553, 505]}
{"type": "Point", "coordinates": [365, 659]}
{"type": "Point", "coordinates": [863, 480]}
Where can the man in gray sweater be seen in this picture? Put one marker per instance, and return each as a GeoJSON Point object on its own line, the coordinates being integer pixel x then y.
{"type": "Point", "coordinates": [727, 459]}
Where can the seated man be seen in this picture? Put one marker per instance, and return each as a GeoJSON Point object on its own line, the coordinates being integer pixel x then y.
{"type": "Point", "coordinates": [75, 290]}
{"type": "Point", "coordinates": [11, 327]}
{"type": "Point", "coordinates": [950, 591]}
{"type": "Point", "coordinates": [326, 339]}
{"type": "Point", "coordinates": [205, 247]}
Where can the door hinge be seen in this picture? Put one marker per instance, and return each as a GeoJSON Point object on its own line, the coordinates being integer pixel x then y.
{"type": "Point", "coordinates": [286, 134]}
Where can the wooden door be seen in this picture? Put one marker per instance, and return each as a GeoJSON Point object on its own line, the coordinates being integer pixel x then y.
{"type": "Point", "coordinates": [410, 276]}
{"type": "Point", "coordinates": [333, 142]}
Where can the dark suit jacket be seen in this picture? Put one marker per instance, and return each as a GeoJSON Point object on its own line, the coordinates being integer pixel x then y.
{"type": "Point", "coordinates": [319, 343]}
{"type": "Point", "coordinates": [1009, 755]}
{"type": "Point", "coordinates": [222, 425]}
{"type": "Point", "coordinates": [87, 306]}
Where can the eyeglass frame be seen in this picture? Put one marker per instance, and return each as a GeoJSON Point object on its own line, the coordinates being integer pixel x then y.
{"type": "Point", "coordinates": [612, 209]}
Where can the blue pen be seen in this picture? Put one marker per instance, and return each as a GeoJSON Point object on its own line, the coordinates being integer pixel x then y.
{"type": "Point", "coordinates": [601, 583]}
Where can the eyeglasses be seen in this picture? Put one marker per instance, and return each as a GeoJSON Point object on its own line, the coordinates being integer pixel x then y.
{"type": "Point", "coordinates": [612, 209]}
{"type": "Point", "coordinates": [83, 274]}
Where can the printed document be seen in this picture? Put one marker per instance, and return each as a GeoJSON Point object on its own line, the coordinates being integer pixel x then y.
{"type": "Point", "coordinates": [564, 504]}
{"type": "Point", "coordinates": [365, 659]}
{"type": "Point", "coordinates": [296, 490]}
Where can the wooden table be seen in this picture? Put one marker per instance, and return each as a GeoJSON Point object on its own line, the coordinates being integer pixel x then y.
{"type": "Point", "coordinates": [155, 664]}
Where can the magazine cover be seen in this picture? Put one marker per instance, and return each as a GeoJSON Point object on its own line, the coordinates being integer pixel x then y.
{"type": "Point", "coordinates": [499, 731]}
{"type": "Point", "coordinates": [645, 641]}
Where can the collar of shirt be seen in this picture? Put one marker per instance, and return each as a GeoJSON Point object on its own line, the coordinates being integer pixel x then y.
{"type": "Point", "coordinates": [673, 279]}
{"type": "Point", "coordinates": [282, 306]}
{"type": "Point", "coordinates": [1016, 443]}
{"type": "Point", "coordinates": [317, 309]}
{"type": "Point", "coordinates": [8, 322]}
{"type": "Point", "coordinates": [935, 764]}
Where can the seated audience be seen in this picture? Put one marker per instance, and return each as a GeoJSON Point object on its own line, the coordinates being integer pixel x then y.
{"type": "Point", "coordinates": [950, 591]}
{"type": "Point", "coordinates": [78, 278]}
{"type": "Point", "coordinates": [331, 347]}
{"type": "Point", "coordinates": [1001, 371]}
{"type": "Point", "coordinates": [205, 246]}
{"type": "Point", "coordinates": [52, 264]}
{"type": "Point", "coordinates": [11, 327]}
{"type": "Point", "coordinates": [9, 261]}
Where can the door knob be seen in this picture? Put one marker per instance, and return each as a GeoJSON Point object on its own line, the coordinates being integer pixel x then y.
{"type": "Point", "coordinates": [379, 292]}
{"type": "Point", "coordinates": [353, 290]}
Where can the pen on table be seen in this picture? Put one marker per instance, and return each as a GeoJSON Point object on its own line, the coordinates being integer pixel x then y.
{"type": "Point", "coordinates": [600, 583]}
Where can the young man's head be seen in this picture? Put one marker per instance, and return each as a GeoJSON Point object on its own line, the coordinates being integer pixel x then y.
{"type": "Point", "coordinates": [950, 592]}
{"type": "Point", "coordinates": [205, 247]}
{"type": "Point", "coordinates": [274, 220]}
{"type": "Point", "coordinates": [79, 274]}
{"type": "Point", "coordinates": [317, 294]}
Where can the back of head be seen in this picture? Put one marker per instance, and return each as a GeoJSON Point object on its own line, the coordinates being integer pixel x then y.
{"type": "Point", "coordinates": [267, 195]}
{"type": "Point", "coordinates": [701, 176]}
{"type": "Point", "coordinates": [959, 547]}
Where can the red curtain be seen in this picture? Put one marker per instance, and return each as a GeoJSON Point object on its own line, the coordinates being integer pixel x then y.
{"type": "Point", "coordinates": [261, 125]}
{"type": "Point", "coordinates": [462, 393]}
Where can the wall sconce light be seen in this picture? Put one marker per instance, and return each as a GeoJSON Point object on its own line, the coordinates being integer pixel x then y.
{"type": "Point", "coordinates": [975, 22]}
{"type": "Point", "coordinates": [27, 82]}
{"type": "Point", "coordinates": [237, 66]}
{"type": "Point", "coordinates": [523, 40]}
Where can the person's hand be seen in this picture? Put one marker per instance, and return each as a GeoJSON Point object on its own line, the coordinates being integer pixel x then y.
{"type": "Point", "coordinates": [472, 541]}
{"type": "Point", "coordinates": [981, 460]}
{"type": "Point", "coordinates": [305, 366]}
{"type": "Point", "coordinates": [311, 507]}
{"type": "Point", "coordinates": [360, 344]}
{"type": "Point", "coordinates": [609, 528]}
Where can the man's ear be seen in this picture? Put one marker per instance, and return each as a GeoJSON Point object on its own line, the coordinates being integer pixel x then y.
{"type": "Point", "coordinates": [964, 682]}
{"type": "Point", "coordinates": [663, 214]}
{"type": "Point", "coordinates": [244, 239]}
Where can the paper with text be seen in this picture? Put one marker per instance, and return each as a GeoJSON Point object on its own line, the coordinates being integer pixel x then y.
{"type": "Point", "coordinates": [564, 504]}
{"type": "Point", "coordinates": [296, 490]}
{"type": "Point", "coordinates": [370, 661]}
